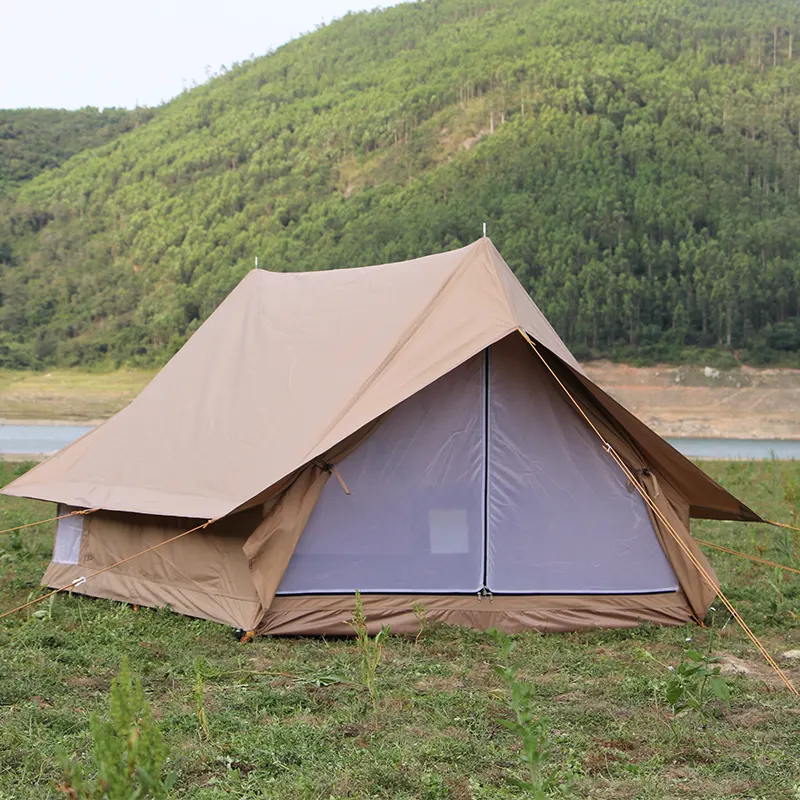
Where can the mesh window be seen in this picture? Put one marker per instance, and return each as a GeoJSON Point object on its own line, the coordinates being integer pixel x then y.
{"type": "Point", "coordinates": [414, 520]}
{"type": "Point", "coordinates": [69, 532]}
{"type": "Point", "coordinates": [560, 516]}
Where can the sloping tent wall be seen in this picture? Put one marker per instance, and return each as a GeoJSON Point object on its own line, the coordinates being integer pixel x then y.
{"type": "Point", "coordinates": [485, 478]}
{"type": "Point", "coordinates": [294, 372]}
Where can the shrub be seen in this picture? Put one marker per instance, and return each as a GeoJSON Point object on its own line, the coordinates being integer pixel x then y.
{"type": "Point", "coordinates": [128, 751]}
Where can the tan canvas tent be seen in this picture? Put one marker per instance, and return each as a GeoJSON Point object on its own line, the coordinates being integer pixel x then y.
{"type": "Point", "coordinates": [474, 485]}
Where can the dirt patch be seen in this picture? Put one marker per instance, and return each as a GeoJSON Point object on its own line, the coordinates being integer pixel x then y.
{"type": "Point", "coordinates": [605, 752]}
{"type": "Point", "coordinates": [753, 669]}
{"type": "Point", "coordinates": [751, 718]}
{"type": "Point", "coordinates": [87, 682]}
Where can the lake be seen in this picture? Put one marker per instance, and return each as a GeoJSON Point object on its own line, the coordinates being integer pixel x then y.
{"type": "Point", "coordinates": [21, 439]}
{"type": "Point", "coordinates": [748, 449]}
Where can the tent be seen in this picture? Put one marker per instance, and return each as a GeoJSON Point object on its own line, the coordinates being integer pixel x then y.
{"type": "Point", "coordinates": [386, 429]}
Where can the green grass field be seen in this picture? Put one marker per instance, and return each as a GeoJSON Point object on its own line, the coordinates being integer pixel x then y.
{"type": "Point", "coordinates": [276, 731]}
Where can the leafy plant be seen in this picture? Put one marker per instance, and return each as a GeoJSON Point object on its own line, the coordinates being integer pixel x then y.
{"type": "Point", "coordinates": [371, 651]}
{"type": "Point", "coordinates": [696, 683]}
{"type": "Point", "coordinates": [128, 751]}
{"type": "Point", "coordinates": [44, 612]}
{"type": "Point", "coordinates": [543, 780]}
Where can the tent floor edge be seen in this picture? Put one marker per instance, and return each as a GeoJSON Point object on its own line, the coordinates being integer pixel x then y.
{"type": "Point", "coordinates": [327, 615]}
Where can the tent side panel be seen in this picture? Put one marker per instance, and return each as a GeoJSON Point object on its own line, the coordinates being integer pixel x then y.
{"type": "Point", "coordinates": [321, 615]}
{"type": "Point", "coordinates": [669, 497]}
{"type": "Point", "coordinates": [414, 519]}
{"type": "Point", "coordinates": [561, 516]}
{"type": "Point", "coordinates": [202, 575]}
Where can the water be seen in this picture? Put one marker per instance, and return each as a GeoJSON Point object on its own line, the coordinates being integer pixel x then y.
{"type": "Point", "coordinates": [748, 449]}
{"type": "Point", "coordinates": [20, 439]}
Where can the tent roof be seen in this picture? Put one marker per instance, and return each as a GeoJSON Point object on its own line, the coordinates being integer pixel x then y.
{"type": "Point", "coordinates": [289, 365]}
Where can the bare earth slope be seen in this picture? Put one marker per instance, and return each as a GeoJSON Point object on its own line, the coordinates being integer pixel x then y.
{"type": "Point", "coordinates": [743, 403]}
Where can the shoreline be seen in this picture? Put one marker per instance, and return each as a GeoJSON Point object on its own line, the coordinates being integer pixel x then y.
{"type": "Point", "coordinates": [51, 423]}
{"type": "Point", "coordinates": [658, 428]}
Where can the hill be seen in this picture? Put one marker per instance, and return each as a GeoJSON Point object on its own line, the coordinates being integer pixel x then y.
{"type": "Point", "coordinates": [36, 139]}
{"type": "Point", "coordinates": [637, 163]}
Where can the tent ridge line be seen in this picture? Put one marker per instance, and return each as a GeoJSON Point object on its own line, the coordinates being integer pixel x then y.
{"type": "Point", "coordinates": [456, 273]}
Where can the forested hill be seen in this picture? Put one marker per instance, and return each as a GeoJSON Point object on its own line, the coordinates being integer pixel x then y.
{"type": "Point", "coordinates": [33, 140]}
{"type": "Point", "coordinates": [637, 162]}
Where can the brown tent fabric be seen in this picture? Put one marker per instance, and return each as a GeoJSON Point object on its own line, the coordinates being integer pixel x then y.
{"type": "Point", "coordinates": [290, 374]}
{"type": "Point", "coordinates": [327, 615]}
{"type": "Point", "coordinates": [269, 548]}
{"type": "Point", "coordinates": [203, 576]}
{"type": "Point", "coordinates": [288, 366]}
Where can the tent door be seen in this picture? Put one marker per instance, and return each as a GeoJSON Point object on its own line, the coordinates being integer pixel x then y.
{"type": "Point", "coordinates": [485, 481]}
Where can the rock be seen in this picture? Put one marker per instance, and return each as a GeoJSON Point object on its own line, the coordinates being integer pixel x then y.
{"type": "Point", "coordinates": [710, 372]}
{"type": "Point", "coordinates": [730, 665]}
{"type": "Point", "coordinates": [791, 654]}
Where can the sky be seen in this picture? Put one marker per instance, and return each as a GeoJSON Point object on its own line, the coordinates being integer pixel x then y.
{"type": "Point", "coordinates": [76, 53]}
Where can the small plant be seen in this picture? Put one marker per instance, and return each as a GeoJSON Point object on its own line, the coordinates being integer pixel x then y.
{"type": "Point", "coordinates": [791, 495]}
{"type": "Point", "coordinates": [371, 650]}
{"type": "Point", "coordinates": [45, 612]}
{"type": "Point", "coordinates": [199, 699]}
{"type": "Point", "coordinates": [695, 684]}
{"type": "Point", "coordinates": [544, 780]}
{"type": "Point", "coordinates": [128, 750]}
{"type": "Point", "coordinates": [421, 615]}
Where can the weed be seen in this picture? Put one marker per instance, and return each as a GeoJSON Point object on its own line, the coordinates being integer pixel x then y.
{"type": "Point", "coordinates": [127, 748]}
{"type": "Point", "coordinates": [544, 780]}
{"type": "Point", "coordinates": [696, 684]}
{"type": "Point", "coordinates": [199, 700]}
{"type": "Point", "coordinates": [44, 612]}
{"type": "Point", "coordinates": [421, 615]}
{"type": "Point", "coordinates": [371, 650]}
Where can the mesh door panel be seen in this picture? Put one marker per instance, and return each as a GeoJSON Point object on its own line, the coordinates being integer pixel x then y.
{"type": "Point", "coordinates": [560, 516]}
{"type": "Point", "coordinates": [414, 520]}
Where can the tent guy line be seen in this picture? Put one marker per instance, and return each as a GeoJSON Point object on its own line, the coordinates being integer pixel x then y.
{"type": "Point", "coordinates": [82, 512]}
{"type": "Point", "coordinates": [757, 559]}
{"type": "Point", "coordinates": [667, 524]}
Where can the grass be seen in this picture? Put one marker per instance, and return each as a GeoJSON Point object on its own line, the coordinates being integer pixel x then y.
{"type": "Point", "coordinates": [63, 394]}
{"type": "Point", "coordinates": [288, 718]}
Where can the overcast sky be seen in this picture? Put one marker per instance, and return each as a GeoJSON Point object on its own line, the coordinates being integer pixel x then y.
{"type": "Point", "coordinates": [75, 53]}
